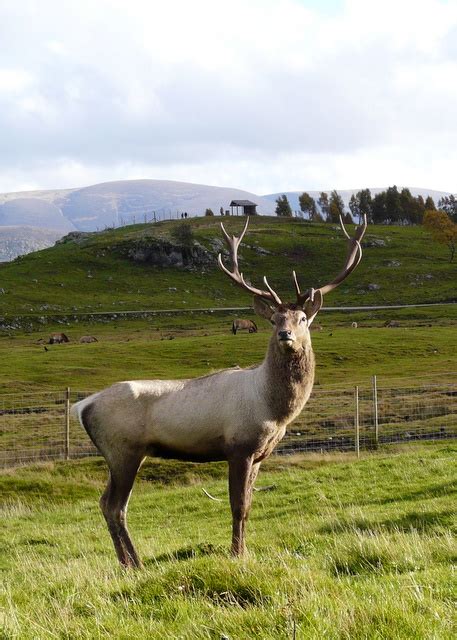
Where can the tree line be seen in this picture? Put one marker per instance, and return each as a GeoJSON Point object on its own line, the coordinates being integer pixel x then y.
{"type": "Point", "coordinates": [387, 207]}
{"type": "Point", "coordinates": [392, 206]}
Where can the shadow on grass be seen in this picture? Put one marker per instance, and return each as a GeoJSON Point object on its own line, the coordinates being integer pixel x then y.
{"type": "Point", "coordinates": [186, 553]}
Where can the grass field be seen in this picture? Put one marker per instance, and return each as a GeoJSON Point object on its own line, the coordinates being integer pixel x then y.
{"type": "Point", "coordinates": [140, 350]}
{"type": "Point", "coordinates": [338, 549]}
{"type": "Point", "coordinates": [98, 275]}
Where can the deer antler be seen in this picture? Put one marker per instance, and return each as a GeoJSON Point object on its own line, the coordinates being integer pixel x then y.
{"type": "Point", "coordinates": [353, 258]}
{"type": "Point", "coordinates": [237, 277]}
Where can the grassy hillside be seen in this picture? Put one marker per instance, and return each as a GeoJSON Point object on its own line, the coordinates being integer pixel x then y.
{"type": "Point", "coordinates": [96, 274]}
{"type": "Point", "coordinates": [338, 549]}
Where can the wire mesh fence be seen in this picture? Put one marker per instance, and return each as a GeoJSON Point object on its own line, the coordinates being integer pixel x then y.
{"type": "Point", "coordinates": [366, 417]}
{"type": "Point", "coordinates": [38, 426]}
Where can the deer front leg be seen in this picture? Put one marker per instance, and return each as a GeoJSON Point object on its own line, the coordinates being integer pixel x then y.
{"type": "Point", "coordinates": [242, 475]}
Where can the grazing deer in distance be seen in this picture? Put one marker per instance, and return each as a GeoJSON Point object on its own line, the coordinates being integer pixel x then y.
{"type": "Point", "coordinates": [241, 323]}
{"type": "Point", "coordinates": [237, 415]}
{"type": "Point", "coordinates": [58, 338]}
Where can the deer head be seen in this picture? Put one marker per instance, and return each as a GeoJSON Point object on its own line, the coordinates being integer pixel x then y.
{"type": "Point", "coordinates": [292, 320]}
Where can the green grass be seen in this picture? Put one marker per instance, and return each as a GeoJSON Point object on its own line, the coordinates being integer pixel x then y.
{"type": "Point", "coordinates": [339, 549]}
{"type": "Point", "coordinates": [141, 350]}
{"type": "Point", "coordinates": [97, 275]}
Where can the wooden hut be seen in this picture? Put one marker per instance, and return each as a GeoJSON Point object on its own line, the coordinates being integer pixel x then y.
{"type": "Point", "coordinates": [247, 207]}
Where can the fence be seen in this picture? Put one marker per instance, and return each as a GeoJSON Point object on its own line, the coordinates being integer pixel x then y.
{"type": "Point", "coordinates": [37, 426]}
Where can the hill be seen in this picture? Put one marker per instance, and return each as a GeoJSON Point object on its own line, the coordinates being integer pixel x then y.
{"type": "Point", "coordinates": [113, 204]}
{"type": "Point", "coordinates": [142, 267]}
{"type": "Point", "coordinates": [116, 203]}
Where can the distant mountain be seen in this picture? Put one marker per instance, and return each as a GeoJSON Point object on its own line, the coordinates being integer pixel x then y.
{"type": "Point", "coordinates": [27, 214]}
{"type": "Point", "coordinates": [18, 240]}
{"type": "Point", "coordinates": [346, 194]}
{"type": "Point", "coordinates": [115, 203]}
{"type": "Point", "coordinates": [34, 212]}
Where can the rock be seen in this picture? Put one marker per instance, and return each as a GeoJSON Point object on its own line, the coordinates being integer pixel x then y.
{"type": "Point", "coordinates": [374, 287]}
{"type": "Point", "coordinates": [374, 242]}
{"type": "Point", "coordinates": [164, 253]}
{"type": "Point", "coordinates": [75, 236]}
{"type": "Point", "coordinates": [394, 263]}
{"type": "Point", "coordinates": [391, 323]}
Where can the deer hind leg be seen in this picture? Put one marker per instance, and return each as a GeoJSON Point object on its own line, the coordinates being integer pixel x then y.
{"type": "Point", "coordinates": [242, 475]}
{"type": "Point", "coordinates": [114, 503]}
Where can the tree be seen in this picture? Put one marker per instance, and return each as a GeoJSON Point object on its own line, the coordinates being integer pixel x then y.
{"type": "Point", "coordinates": [365, 204]}
{"type": "Point", "coordinates": [393, 206]}
{"type": "Point", "coordinates": [183, 234]}
{"type": "Point", "coordinates": [336, 207]}
{"type": "Point", "coordinates": [412, 209]}
{"type": "Point", "coordinates": [429, 204]}
{"type": "Point", "coordinates": [308, 205]}
{"type": "Point", "coordinates": [209, 212]}
{"type": "Point", "coordinates": [324, 204]}
{"type": "Point", "coordinates": [354, 206]}
{"type": "Point", "coordinates": [443, 229]}
{"type": "Point", "coordinates": [448, 204]}
{"type": "Point", "coordinates": [378, 208]}
{"type": "Point", "coordinates": [283, 207]}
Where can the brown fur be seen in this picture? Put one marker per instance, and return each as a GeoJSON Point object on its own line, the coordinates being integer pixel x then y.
{"type": "Point", "coordinates": [241, 323]}
{"type": "Point", "coordinates": [238, 415]}
{"type": "Point", "coordinates": [291, 380]}
{"type": "Point", "coordinates": [58, 338]}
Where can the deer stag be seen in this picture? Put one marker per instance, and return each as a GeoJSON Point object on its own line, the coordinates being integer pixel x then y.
{"type": "Point", "coordinates": [237, 415]}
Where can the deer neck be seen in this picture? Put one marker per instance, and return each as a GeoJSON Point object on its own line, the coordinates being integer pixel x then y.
{"type": "Point", "coordinates": [289, 380]}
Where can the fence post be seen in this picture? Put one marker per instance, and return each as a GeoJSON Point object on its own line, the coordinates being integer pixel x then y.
{"type": "Point", "coordinates": [375, 407]}
{"type": "Point", "coordinates": [356, 421]}
{"type": "Point", "coordinates": [67, 423]}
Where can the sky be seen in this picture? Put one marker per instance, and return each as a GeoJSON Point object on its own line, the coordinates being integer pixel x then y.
{"type": "Point", "coordinates": [262, 95]}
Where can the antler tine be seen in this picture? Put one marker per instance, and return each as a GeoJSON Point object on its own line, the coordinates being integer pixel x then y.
{"type": "Point", "coordinates": [233, 243]}
{"type": "Point", "coordinates": [302, 297]}
{"type": "Point", "coordinates": [353, 258]}
{"type": "Point", "coordinates": [344, 228]}
{"type": "Point", "coordinates": [276, 298]}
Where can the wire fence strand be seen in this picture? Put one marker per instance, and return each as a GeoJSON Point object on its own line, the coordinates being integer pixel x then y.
{"type": "Point", "coordinates": [36, 426]}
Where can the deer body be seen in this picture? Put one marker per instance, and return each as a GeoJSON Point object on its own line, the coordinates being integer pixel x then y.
{"type": "Point", "coordinates": [185, 419]}
{"type": "Point", "coordinates": [238, 415]}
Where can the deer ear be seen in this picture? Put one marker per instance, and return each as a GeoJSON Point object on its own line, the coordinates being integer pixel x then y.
{"type": "Point", "coordinates": [262, 308]}
{"type": "Point", "coordinates": [311, 307]}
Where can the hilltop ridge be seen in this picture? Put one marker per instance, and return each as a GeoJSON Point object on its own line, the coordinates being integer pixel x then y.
{"type": "Point", "coordinates": [123, 202]}
{"type": "Point", "coordinates": [143, 267]}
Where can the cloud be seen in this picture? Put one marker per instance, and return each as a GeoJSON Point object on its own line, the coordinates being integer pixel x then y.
{"type": "Point", "coordinates": [260, 94]}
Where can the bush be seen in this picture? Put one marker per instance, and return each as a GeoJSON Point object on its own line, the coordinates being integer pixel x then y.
{"type": "Point", "coordinates": [183, 234]}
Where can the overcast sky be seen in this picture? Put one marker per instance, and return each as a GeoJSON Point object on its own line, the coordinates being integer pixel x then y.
{"type": "Point", "coordinates": [263, 95]}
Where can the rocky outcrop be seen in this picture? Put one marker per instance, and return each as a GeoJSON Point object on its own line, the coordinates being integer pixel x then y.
{"type": "Point", "coordinates": [163, 253]}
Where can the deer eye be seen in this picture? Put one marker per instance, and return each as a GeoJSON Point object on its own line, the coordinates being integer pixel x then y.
{"type": "Point", "coordinates": [273, 322]}
{"type": "Point", "coordinates": [303, 319]}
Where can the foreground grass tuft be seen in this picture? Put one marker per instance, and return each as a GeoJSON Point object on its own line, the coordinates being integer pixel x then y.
{"type": "Point", "coordinates": [339, 548]}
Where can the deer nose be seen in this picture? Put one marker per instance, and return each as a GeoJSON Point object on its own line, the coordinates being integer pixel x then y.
{"type": "Point", "coordinates": [285, 335]}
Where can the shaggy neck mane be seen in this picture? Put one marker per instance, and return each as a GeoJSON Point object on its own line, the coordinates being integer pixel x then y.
{"type": "Point", "coordinates": [290, 376]}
